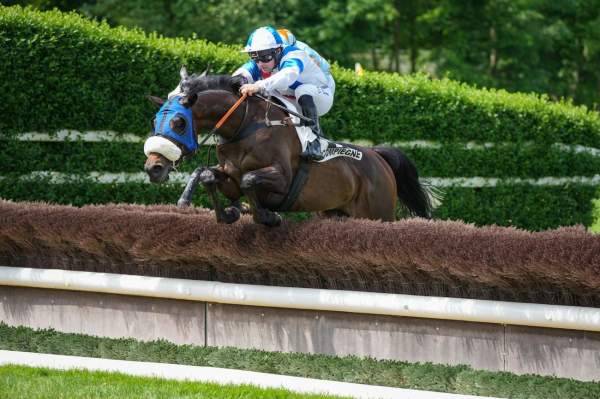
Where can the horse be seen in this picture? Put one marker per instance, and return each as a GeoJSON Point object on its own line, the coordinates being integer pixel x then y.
{"type": "Point", "coordinates": [260, 160]}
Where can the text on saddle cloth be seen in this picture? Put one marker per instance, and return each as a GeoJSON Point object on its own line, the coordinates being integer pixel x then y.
{"type": "Point", "coordinates": [305, 134]}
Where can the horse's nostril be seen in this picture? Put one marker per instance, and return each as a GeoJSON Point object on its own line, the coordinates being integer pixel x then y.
{"type": "Point", "coordinates": [155, 171]}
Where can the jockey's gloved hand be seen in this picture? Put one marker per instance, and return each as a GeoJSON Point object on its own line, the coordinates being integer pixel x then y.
{"type": "Point", "coordinates": [237, 82]}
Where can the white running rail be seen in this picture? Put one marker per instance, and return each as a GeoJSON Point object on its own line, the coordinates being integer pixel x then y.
{"type": "Point", "coordinates": [513, 313]}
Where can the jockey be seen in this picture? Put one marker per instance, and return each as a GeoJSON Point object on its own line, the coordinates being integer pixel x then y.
{"type": "Point", "coordinates": [289, 39]}
{"type": "Point", "coordinates": [287, 70]}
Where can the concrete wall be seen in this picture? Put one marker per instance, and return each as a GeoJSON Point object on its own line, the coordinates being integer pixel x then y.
{"type": "Point", "coordinates": [104, 315]}
{"type": "Point", "coordinates": [517, 349]}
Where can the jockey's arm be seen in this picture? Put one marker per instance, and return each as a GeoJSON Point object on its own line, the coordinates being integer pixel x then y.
{"type": "Point", "coordinates": [246, 74]}
{"type": "Point", "coordinates": [284, 78]}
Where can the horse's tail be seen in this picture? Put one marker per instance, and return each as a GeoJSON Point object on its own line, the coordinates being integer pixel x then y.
{"type": "Point", "coordinates": [417, 198]}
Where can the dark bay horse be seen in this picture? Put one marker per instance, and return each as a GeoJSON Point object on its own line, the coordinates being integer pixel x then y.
{"type": "Point", "coordinates": [260, 161]}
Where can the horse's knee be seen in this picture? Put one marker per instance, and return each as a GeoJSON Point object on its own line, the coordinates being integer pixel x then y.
{"type": "Point", "coordinates": [249, 180]}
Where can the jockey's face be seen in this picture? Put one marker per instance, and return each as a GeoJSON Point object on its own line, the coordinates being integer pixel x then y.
{"type": "Point", "coordinates": [266, 66]}
{"type": "Point", "coordinates": [265, 59]}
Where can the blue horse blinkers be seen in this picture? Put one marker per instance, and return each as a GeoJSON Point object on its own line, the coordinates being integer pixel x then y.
{"type": "Point", "coordinates": [186, 140]}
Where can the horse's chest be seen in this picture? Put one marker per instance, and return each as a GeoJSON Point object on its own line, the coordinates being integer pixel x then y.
{"type": "Point", "coordinates": [234, 167]}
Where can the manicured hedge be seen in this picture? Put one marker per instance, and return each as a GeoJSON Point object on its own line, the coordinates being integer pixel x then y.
{"type": "Point", "coordinates": [452, 160]}
{"type": "Point", "coordinates": [81, 157]}
{"type": "Point", "coordinates": [62, 71]}
{"type": "Point", "coordinates": [73, 73]}
{"type": "Point", "coordinates": [529, 207]}
{"type": "Point", "coordinates": [82, 192]}
{"type": "Point", "coordinates": [392, 107]}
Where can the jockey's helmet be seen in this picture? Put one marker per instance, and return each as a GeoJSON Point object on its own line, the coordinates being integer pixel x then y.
{"type": "Point", "coordinates": [263, 43]}
{"type": "Point", "coordinates": [288, 37]}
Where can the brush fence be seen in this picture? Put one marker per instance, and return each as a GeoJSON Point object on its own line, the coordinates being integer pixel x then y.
{"type": "Point", "coordinates": [489, 335]}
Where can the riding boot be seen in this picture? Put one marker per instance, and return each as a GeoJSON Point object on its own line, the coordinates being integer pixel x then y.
{"type": "Point", "coordinates": [313, 148]}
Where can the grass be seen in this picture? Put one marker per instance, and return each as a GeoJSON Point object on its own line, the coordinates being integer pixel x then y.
{"type": "Point", "coordinates": [27, 382]}
{"type": "Point", "coordinates": [431, 377]}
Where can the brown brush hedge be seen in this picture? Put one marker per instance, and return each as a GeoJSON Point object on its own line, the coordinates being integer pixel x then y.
{"type": "Point", "coordinates": [413, 256]}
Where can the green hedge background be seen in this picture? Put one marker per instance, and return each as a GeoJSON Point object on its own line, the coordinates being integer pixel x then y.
{"type": "Point", "coordinates": [60, 71]}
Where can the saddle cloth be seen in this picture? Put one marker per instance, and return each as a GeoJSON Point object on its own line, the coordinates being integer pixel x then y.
{"type": "Point", "coordinates": [330, 149]}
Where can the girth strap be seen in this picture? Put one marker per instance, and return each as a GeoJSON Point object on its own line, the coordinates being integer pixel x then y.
{"type": "Point", "coordinates": [296, 187]}
{"type": "Point", "coordinates": [253, 128]}
{"type": "Point", "coordinates": [246, 132]}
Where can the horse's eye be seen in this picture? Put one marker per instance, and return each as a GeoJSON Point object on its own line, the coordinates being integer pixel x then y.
{"type": "Point", "coordinates": [178, 125]}
{"type": "Point", "coordinates": [188, 101]}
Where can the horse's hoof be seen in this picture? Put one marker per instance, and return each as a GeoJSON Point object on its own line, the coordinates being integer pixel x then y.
{"type": "Point", "coordinates": [207, 177]}
{"type": "Point", "coordinates": [230, 214]}
{"type": "Point", "coordinates": [273, 220]}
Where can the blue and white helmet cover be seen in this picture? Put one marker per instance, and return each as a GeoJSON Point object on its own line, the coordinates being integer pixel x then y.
{"type": "Point", "coordinates": [162, 127]}
{"type": "Point", "coordinates": [263, 38]}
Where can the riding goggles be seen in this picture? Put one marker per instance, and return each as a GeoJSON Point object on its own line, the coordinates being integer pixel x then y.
{"type": "Point", "coordinates": [262, 56]}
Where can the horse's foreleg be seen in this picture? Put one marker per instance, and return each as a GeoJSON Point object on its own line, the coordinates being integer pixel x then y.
{"type": "Point", "coordinates": [186, 197]}
{"type": "Point", "coordinates": [270, 180]}
{"type": "Point", "coordinates": [232, 191]}
{"type": "Point", "coordinates": [210, 179]}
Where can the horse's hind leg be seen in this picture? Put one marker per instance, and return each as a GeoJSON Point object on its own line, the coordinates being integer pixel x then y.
{"type": "Point", "coordinates": [375, 203]}
{"type": "Point", "coordinates": [270, 180]}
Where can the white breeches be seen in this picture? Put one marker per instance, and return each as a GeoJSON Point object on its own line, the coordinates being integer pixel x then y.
{"type": "Point", "coordinates": [322, 95]}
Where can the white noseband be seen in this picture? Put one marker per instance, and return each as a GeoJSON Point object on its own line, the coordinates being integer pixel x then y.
{"type": "Point", "coordinates": [162, 146]}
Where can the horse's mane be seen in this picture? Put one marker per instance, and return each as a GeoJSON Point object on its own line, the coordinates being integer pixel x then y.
{"type": "Point", "coordinates": [198, 83]}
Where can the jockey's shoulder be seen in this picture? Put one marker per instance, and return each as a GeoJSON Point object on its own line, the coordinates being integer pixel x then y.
{"type": "Point", "coordinates": [291, 51]}
{"type": "Point", "coordinates": [301, 45]}
{"type": "Point", "coordinates": [249, 65]}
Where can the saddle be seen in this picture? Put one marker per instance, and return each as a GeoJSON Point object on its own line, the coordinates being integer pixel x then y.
{"type": "Point", "coordinates": [331, 149]}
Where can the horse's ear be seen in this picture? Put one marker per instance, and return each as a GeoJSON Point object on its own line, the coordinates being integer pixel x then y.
{"type": "Point", "coordinates": [206, 71]}
{"type": "Point", "coordinates": [183, 73]}
{"type": "Point", "coordinates": [156, 101]}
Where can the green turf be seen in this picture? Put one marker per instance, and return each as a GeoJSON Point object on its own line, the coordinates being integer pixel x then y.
{"type": "Point", "coordinates": [456, 379]}
{"type": "Point", "coordinates": [27, 382]}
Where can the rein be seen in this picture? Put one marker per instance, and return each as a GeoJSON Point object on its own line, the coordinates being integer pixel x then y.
{"type": "Point", "coordinates": [223, 120]}
{"type": "Point", "coordinates": [225, 117]}
{"type": "Point", "coordinates": [289, 111]}
{"type": "Point", "coordinates": [267, 122]}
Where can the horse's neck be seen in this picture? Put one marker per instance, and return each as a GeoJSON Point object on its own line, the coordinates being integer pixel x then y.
{"type": "Point", "coordinates": [215, 106]}
{"type": "Point", "coordinates": [210, 111]}
{"type": "Point", "coordinates": [251, 110]}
